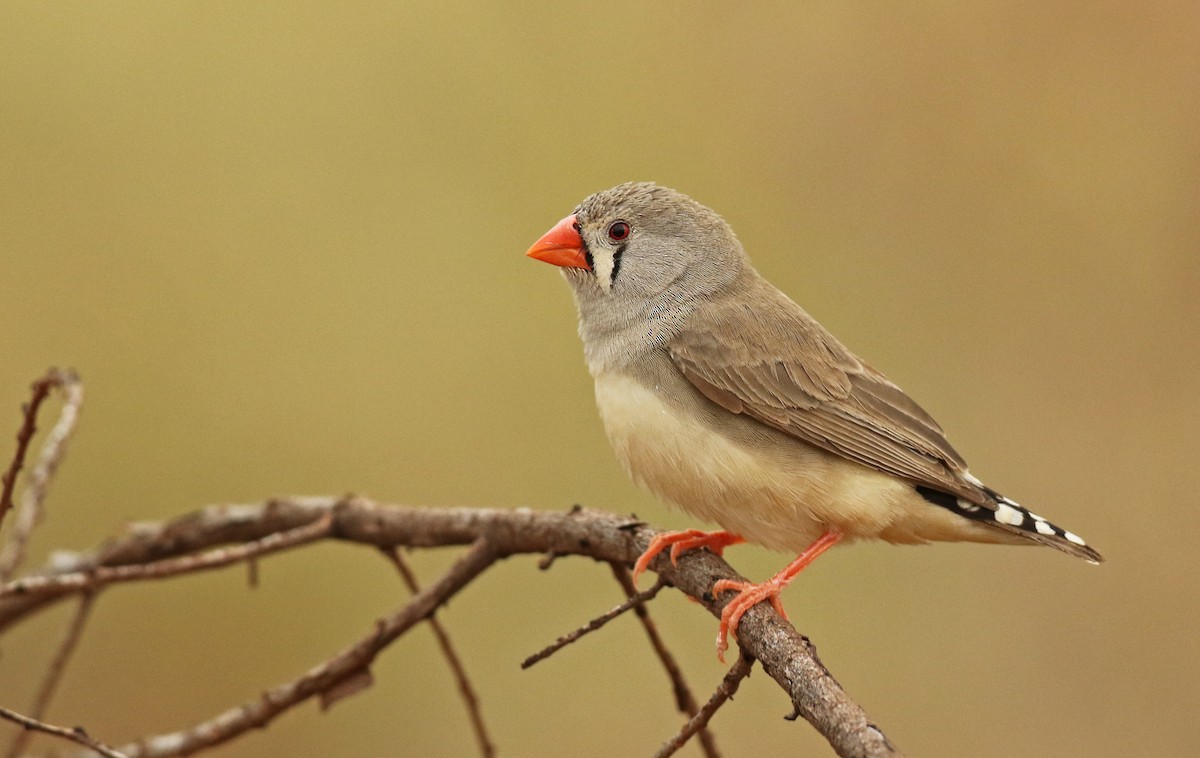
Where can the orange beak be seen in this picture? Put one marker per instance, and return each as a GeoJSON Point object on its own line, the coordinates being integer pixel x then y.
{"type": "Point", "coordinates": [561, 246]}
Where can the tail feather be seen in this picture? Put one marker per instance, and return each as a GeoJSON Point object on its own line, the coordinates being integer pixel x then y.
{"type": "Point", "coordinates": [1006, 514]}
{"type": "Point", "coordinates": [1012, 517]}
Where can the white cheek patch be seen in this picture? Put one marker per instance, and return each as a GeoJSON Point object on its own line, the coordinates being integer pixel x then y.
{"type": "Point", "coordinates": [602, 266]}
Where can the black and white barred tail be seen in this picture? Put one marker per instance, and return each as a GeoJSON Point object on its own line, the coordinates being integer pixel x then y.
{"type": "Point", "coordinates": [1003, 513]}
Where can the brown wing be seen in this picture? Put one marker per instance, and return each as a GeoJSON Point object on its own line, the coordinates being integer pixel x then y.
{"type": "Point", "coordinates": [778, 365]}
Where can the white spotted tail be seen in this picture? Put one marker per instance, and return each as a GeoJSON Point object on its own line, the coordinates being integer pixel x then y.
{"type": "Point", "coordinates": [996, 510]}
{"type": "Point", "coordinates": [1010, 516]}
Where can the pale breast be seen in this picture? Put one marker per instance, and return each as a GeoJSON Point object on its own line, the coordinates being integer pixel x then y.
{"type": "Point", "coordinates": [751, 479]}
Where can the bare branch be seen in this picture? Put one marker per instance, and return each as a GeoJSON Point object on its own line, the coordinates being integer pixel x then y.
{"type": "Point", "coordinates": [52, 454]}
{"type": "Point", "coordinates": [93, 579]}
{"type": "Point", "coordinates": [634, 601]}
{"type": "Point", "coordinates": [684, 700]}
{"type": "Point", "coordinates": [698, 722]}
{"type": "Point", "coordinates": [76, 735]}
{"type": "Point", "coordinates": [486, 748]}
{"type": "Point", "coordinates": [787, 657]}
{"type": "Point", "coordinates": [55, 671]}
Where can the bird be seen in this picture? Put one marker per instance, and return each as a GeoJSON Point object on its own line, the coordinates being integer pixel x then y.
{"type": "Point", "coordinates": [727, 400]}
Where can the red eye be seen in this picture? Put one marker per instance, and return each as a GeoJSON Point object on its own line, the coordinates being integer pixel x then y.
{"type": "Point", "coordinates": [618, 231]}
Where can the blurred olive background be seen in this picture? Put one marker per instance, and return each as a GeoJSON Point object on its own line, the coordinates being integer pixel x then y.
{"type": "Point", "coordinates": [283, 245]}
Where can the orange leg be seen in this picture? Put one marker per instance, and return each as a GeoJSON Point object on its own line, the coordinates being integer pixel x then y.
{"type": "Point", "coordinates": [681, 542]}
{"type": "Point", "coordinates": [750, 595]}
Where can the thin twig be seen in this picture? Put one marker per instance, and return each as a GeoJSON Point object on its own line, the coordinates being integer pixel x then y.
{"type": "Point", "coordinates": [41, 388]}
{"type": "Point", "coordinates": [55, 671]}
{"type": "Point", "coordinates": [684, 700]}
{"type": "Point", "coordinates": [697, 723]}
{"type": "Point", "coordinates": [634, 601]}
{"type": "Point", "coordinates": [54, 449]}
{"type": "Point", "coordinates": [87, 581]}
{"type": "Point", "coordinates": [76, 735]}
{"type": "Point", "coordinates": [470, 698]}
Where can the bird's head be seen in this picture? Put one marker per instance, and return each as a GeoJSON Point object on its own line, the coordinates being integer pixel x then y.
{"type": "Point", "coordinates": [639, 244]}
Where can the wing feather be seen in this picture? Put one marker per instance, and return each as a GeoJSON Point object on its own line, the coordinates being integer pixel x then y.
{"type": "Point", "coordinates": [778, 365]}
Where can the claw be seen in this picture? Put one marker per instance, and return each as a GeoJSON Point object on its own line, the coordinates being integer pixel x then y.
{"type": "Point", "coordinates": [681, 542]}
{"type": "Point", "coordinates": [749, 594]}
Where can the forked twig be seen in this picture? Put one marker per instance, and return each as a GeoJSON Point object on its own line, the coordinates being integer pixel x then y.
{"type": "Point", "coordinates": [486, 748]}
{"type": "Point", "coordinates": [76, 735]}
{"type": "Point", "coordinates": [698, 722]}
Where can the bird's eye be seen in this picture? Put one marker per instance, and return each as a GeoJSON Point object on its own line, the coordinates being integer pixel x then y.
{"type": "Point", "coordinates": [618, 230]}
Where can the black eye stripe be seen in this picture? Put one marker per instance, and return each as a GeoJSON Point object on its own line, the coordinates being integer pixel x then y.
{"type": "Point", "coordinates": [616, 263]}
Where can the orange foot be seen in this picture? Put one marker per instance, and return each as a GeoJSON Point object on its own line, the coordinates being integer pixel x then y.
{"type": "Point", "coordinates": [681, 542]}
{"type": "Point", "coordinates": [750, 594]}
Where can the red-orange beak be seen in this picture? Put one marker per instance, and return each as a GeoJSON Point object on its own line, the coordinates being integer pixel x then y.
{"type": "Point", "coordinates": [561, 246]}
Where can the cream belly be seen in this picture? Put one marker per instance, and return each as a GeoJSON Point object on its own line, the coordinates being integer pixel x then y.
{"type": "Point", "coordinates": [753, 480]}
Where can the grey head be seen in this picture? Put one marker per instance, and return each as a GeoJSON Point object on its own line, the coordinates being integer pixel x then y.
{"type": "Point", "coordinates": [653, 256]}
